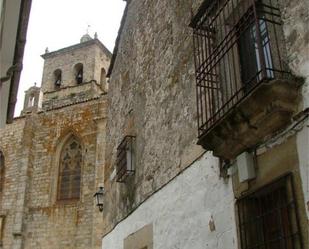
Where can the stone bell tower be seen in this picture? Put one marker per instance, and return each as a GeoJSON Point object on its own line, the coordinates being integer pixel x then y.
{"type": "Point", "coordinates": [75, 74]}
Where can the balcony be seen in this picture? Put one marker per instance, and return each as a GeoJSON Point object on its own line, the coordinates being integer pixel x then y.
{"type": "Point", "coordinates": [244, 89]}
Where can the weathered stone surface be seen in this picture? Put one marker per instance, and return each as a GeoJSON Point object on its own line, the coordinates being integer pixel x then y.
{"type": "Point", "coordinates": [34, 216]}
{"type": "Point", "coordinates": [153, 98]}
{"type": "Point", "coordinates": [95, 60]}
{"type": "Point", "coordinates": [29, 203]}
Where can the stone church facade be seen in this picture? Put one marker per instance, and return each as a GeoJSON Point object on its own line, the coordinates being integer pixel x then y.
{"type": "Point", "coordinates": [52, 155]}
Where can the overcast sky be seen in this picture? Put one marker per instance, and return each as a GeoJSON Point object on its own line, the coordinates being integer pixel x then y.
{"type": "Point", "coordinates": [60, 23]}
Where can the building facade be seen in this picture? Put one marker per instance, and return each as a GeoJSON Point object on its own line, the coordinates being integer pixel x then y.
{"type": "Point", "coordinates": [201, 142]}
{"type": "Point", "coordinates": [236, 72]}
{"type": "Point", "coordinates": [52, 155]}
{"type": "Point", "coordinates": [14, 17]}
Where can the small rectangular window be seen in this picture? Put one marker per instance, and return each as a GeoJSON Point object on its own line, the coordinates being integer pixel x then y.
{"type": "Point", "coordinates": [268, 218]}
{"type": "Point", "coordinates": [125, 159]}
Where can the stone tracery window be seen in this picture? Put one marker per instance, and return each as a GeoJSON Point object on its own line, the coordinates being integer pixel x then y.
{"type": "Point", "coordinates": [70, 163]}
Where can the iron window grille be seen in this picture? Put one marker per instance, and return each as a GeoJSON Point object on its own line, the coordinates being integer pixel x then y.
{"type": "Point", "coordinates": [268, 218]}
{"type": "Point", "coordinates": [238, 45]}
{"type": "Point", "coordinates": [125, 159]}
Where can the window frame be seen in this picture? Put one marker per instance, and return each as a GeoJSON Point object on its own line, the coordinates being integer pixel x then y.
{"type": "Point", "coordinates": [286, 182]}
{"type": "Point", "coordinates": [125, 161]}
{"type": "Point", "coordinates": [249, 36]}
{"type": "Point", "coordinates": [70, 198]}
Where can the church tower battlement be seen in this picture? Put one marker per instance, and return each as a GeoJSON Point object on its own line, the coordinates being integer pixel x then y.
{"type": "Point", "coordinates": [75, 74]}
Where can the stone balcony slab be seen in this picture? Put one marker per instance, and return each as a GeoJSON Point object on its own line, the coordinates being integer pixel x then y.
{"type": "Point", "coordinates": [268, 109]}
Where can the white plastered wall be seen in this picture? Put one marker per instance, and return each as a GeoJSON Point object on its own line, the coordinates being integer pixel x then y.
{"type": "Point", "coordinates": [303, 154]}
{"type": "Point", "coordinates": [181, 211]}
{"type": "Point", "coordinates": [295, 16]}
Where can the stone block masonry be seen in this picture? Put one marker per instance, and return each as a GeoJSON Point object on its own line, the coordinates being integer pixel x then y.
{"type": "Point", "coordinates": [33, 216]}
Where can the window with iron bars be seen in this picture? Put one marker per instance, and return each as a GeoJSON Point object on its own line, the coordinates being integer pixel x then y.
{"type": "Point", "coordinates": [238, 44]}
{"type": "Point", "coordinates": [125, 159]}
{"type": "Point", "coordinates": [268, 218]}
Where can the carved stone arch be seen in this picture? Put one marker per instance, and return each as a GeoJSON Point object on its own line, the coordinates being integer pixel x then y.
{"type": "Point", "coordinates": [64, 135]}
{"type": "Point", "coordinates": [69, 163]}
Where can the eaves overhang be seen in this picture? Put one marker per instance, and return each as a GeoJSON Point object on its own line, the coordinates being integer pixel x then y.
{"type": "Point", "coordinates": [23, 19]}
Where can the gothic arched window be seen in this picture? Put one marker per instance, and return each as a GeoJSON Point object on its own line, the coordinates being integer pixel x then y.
{"type": "Point", "coordinates": [70, 170]}
{"type": "Point", "coordinates": [1, 172]}
{"type": "Point", "coordinates": [79, 73]}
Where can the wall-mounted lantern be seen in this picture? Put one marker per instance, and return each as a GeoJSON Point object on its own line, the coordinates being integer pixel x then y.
{"type": "Point", "coordinates": [99, 198]}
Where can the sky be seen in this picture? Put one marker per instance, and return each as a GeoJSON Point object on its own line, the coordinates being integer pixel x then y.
{"type": "Point", "coordinates": [60, 23]}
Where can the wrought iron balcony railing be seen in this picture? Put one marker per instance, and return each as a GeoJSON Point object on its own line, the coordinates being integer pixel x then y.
{"type": "Point", "coordinates": [238, 44]}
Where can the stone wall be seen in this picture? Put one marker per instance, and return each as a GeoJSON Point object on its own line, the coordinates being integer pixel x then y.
{"type": "Point", "coordinates": [72, 94]}
{"type": "Point", "coordinates": [90, 54]}
{"type": "Point", "coordinates": [11, 137]}
{"type": "Point", "coordinates": [34, 217]}
{"type": "Point", "coordinates": [153, 98]}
